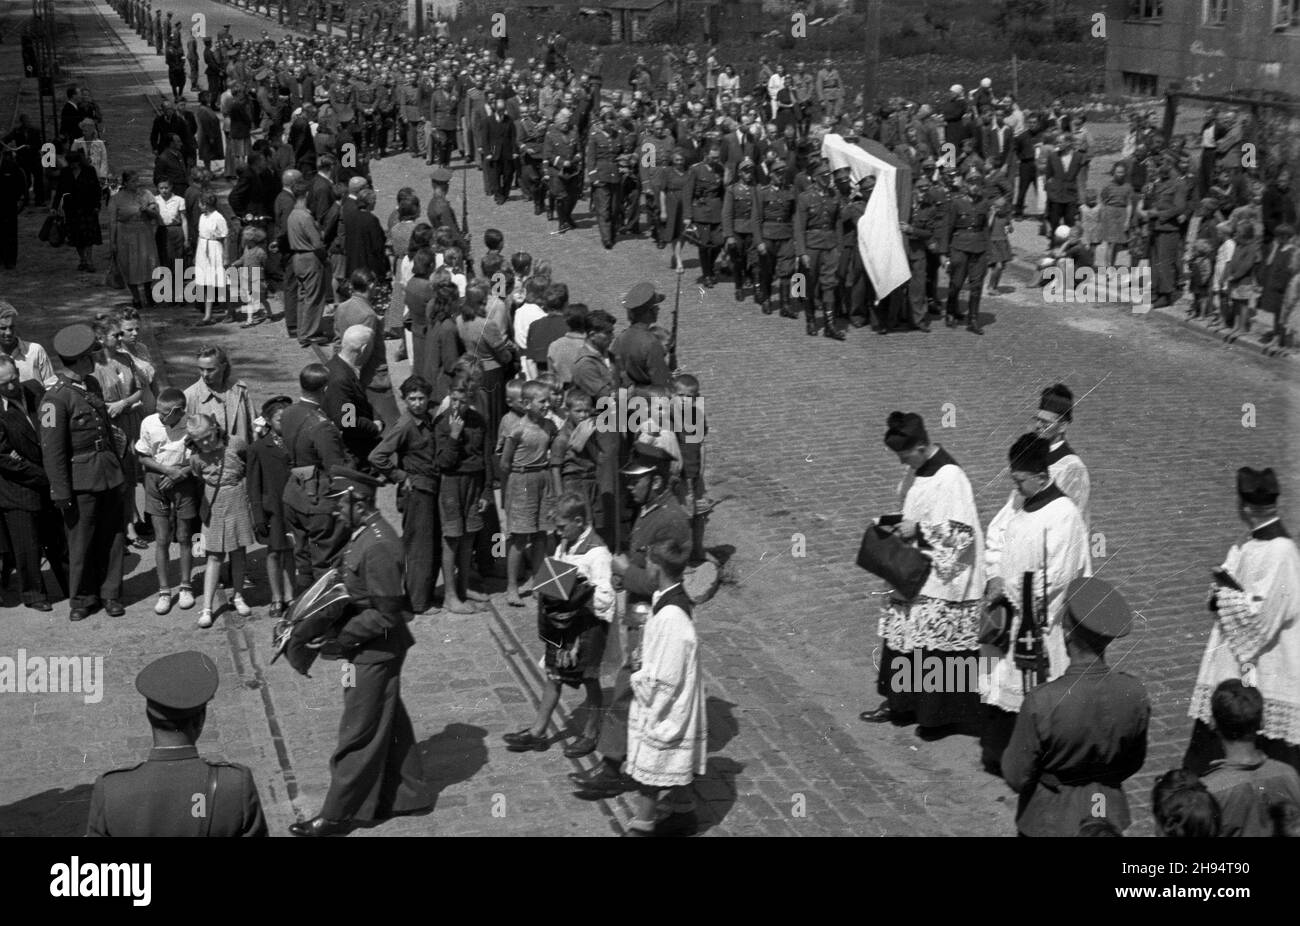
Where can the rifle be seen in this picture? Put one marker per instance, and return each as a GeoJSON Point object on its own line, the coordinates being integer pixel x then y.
{"type": "Point", "coordinates": [672, 340]}
{"type": "Point", "coordinates": [464, 216]}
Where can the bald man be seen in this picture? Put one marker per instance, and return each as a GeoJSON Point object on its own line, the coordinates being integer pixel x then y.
{"type": "Point", "coordinates": [346, 402]}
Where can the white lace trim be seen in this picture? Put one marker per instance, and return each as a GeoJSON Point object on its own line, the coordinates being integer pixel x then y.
{"type": "Point", "coordinates": [932, 624]}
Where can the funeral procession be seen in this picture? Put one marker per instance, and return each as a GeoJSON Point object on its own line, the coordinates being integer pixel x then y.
{"type": "Point", "coordinates": [650, 418]}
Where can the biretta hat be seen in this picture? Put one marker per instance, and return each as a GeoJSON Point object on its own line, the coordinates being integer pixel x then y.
{"type": "Point", "coordinates": [1257, 486]}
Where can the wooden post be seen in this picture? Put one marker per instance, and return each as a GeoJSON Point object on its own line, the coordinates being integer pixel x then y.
{"type": "Point", "coordinates": [870, 82]}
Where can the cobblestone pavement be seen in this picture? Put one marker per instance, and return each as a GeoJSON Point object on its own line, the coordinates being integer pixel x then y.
{"type": "Point", "coordinates": [789, 642]}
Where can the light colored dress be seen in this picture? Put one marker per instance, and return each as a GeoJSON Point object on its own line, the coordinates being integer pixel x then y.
{"type": "Point", "coordinates": [230, 526]}
{"type": "Point", "coordinates": [210, 254]}
{"type": "Point", "coordinates": [133, 236]}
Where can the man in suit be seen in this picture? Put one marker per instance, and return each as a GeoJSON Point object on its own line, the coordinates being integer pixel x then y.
{"type": "Point", "coordinates": [70, 117]}
{"type": "Point", "coordinates": [169, 122]}
{"type": "Point", "coordinates": [499, 153]}
{"type": "Point", "coordinates": [161, 796]}
{"type": "Point", "coordinates": [25, 505]}
{"type": "Point", "coordinates": [1274, 277]}
{"type": "Point", "coordinates": [346, 402]}
{"type": "Point", "coordinates": [1062, 183]}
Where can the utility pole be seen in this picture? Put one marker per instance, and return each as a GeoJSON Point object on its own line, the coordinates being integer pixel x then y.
{"type": "Point", "coordinates": [870, 82]}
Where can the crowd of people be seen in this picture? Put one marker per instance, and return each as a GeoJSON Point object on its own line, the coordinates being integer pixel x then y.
{"type": "Point", "coordinates": [499, 426]}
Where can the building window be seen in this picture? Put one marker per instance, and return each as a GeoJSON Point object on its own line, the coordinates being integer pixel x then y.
{"type": "Point", "coordinates": [1286, 14]}
{"type": "Point", "coordinates": [1136, 84]}
{"type": "Point", "coordinates": [1146, 9]}
{"type": "Point", "coordinates": [1214, 12]}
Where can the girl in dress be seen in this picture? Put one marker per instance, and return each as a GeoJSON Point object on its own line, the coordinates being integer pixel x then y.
{"type": "Point", "coordinates": [221, 462]}
{"type": "Point", "coordinates": [1116, 215]}
{"type": "Point", "coordinates": [999, 243]}
{"type": "Point", "coordinates": [210, 255]}
{"type": "Point", "coordinates": [250, 282]}
{"type": "Point", "coordinates": [668, 185]}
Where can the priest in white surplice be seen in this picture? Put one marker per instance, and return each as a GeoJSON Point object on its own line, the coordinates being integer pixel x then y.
{"type": "Point", "coordinates": [940, 626]}
{"type": "Point", "coordinates": [1256, 637]}
{"type": "Point", "coordinates": [1055, 412]}
{"type": "Point", "coordinates": [1043, 534]}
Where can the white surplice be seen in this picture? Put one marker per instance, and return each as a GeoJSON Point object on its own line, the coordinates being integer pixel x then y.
{"type": "Point", "coordinates": [1046, 530]}
{"type": "Point", "coordinates": [1267, 566]}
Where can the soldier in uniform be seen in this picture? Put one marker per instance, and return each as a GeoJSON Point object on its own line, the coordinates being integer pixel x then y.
{"type": "Point", "coordinates": [312, 444]}
{"type": "Point", "coordinates": [702, 195]}
{"type": "Point", "coordinates": [376, 773]}
{"type": "Point", "coordinates": [1079, 737]}
{"type": "Point", "coordinates": [177, 792]}
{"type": "Point", "coordinates": [627, 217]}
{"type": "Point", "coordinates": [532, 136]}
{"type": "Point", "coordinates": [817, 242]}
{"type": "Point", "coordinates": [1165, 206]}
{"type": "Point", "coordinates": [967, 242]}
{"type": "Point", "coordinates": [774, 207]}
{"type": "Point", "coordinates": [830, 93]}
{"type": "Point", "coordinates": [441, 124]}
{"type": "Point", "coordinates": [654, 151]}
{"type": "Point", "coordinates": [343, 98]}
{"type": "Point", "coordinates": [603, 175]}
{"type": "Point", "coordinates": [409, 118]}
{"type": "Point", "coordinates": [82, 454]}
{"type": "Point", "coordinates": [157, 37]}
{"type": "Point", "coordinates": [563, 168]}
{"type": "Point", "coordinates": [739, 224]}
{"type": "Point", "coordinates": [440, 212]}
{"type": "Point", "coordinates": [919, 237]}
{"type": "Point", "coordinates": [368, 87]}
{"type": "Point", "coordinates": [857, 296]}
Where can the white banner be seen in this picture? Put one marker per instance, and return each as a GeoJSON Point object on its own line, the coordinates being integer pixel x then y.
{"type": "Point", "coordinates": [880, 240]}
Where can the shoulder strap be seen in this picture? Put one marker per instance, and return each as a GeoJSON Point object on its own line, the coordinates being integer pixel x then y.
{"type": "Point", "coordinates": [205, 828]}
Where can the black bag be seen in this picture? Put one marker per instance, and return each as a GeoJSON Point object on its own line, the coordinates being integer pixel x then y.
{"type": "Point", "coordinates": [889, 557]}
{"type": "Point", "coordinates": [995, 624]}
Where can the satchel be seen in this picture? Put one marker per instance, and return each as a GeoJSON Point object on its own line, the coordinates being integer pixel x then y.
{"type": "Point", "coordinates": [995, 624]}
{"type": "Point", "coordinates": [890, 558]}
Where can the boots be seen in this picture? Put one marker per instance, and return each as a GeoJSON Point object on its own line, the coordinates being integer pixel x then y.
{"type": "Point", "coordinates": [973, 313]}
{"type": "Point", "coordinates": [809, 318]}
{"type": "Point", "coordinates": [786, 311]}
{"type": "Point", "coordinates": [830, 330]}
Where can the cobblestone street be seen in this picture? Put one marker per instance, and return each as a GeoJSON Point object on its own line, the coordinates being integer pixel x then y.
{"type": "Point", "coordinates": [1164, 419]}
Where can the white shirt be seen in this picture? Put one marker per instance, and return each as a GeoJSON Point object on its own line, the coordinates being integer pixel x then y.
{"type": "Point", "coordinates": [594, 562]}
{"type": "Point", "coordinates": [33, 363]}
{"type": "Point", "coordinates": [171, 211]}
{"type": "Point", "coordinates": [165, 445]}
{"type": "Point", "coordinates": [525, 315]}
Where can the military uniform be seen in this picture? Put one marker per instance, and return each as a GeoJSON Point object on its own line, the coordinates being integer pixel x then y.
{"type": "Point", "coordinates": [565, 183]}
{"type": "Point", "coordinates": [774, 206]}
{"type": "Point", "coordinates": [409, 118]}
{"type": "Point", "coordinates": [1079, 737]}
{"type": "Point", "coordinates": [627, 215]}
{"type": "Point", "coordinates": [176, 792]}
{"type": "Point", "coordinates": [313, 444]}
{"type": "Point", "coordinates": [1166, 203]}
{"type": "Point", "coordinates": [532, 136]}
{"type": "Point", "coordinates": [83, 463]}
{"type": "Point", "coordinates": [919, 239]}
{"type": "Point", "coordinates": [967, 228]}
{"type": "Point", "coordinates": [739, 225]}
{"type": "Point", "coordinates": [368, 111]}
{"type": "Point", "coordinates": [376, 771]}
{"type": "Point", "coordinates": [343, 97]}
{"type": "Point", "coordinates": [604, 178]}
{"type": "Point", "coordinates": [830, 92]}
{"type": "Point", "coordinates": [702, 195]}
{"type": "Point", "coordinates": [857, 296]}
{"type": "Point", "coordinates": [937, 200]}
{"type": "Point", "coordinates": [817, 242]}
{"type": "Point", "coordinates": [441, 127]}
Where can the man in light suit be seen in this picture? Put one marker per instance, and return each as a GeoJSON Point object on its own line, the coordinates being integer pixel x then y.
{"type": "Point", "coordinates": [1062, 183]}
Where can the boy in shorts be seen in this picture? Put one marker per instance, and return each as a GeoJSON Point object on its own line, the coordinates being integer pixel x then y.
{"type": "Point", "coordinates": [171, 495]}
{"type": "Point", "coordinates": [463, 492]}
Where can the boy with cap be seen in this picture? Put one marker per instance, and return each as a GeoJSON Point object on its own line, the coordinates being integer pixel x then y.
{"type": "Point", "coordinates": [1079, 737]}
{"type": "Point", "coordinates": [1256, 638]}
{"type": "Point", "coordinates": [160, 796]}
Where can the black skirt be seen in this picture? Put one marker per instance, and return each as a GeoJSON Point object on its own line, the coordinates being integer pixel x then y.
{"type": "Point", "coordinates": [574, 649]}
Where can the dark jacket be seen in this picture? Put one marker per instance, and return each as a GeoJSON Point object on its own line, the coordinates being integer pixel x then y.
{"type": "Point", "coordinates": [348, 406]}
{"type": "Point", "coordinates": [23, 483]}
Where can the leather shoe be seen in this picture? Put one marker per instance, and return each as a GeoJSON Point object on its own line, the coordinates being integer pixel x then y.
{"type": "Point", "coordinates": [881, 714]}
{"type": "Point", "coordinates": [113, 608]}
{"type": "Point", "coordinates": [830, 331]}
{"type": "Point", "coordinates": [582, 746]}
{"type": "Point", "coordinates": [605, 780]}
{"type": "Point", "coordinates": [41, 606]}
{"type": "Point", "coordinates": [974, 327]}
{"type": "Point", "coordinates": [524, 741]}
{"type": "Point", "coordinates": [318, 826]}
{"type": "Point", "coordinates": [78, 614]}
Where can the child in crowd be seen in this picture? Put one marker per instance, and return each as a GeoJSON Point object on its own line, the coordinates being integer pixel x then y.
{"type": "Point", "coordinates": [268, 474]}
{"type": "Point", "coordinates": [574, 630]}
{"type": "Point", "coordinates": [1257, 796]}
{"type": "Point", "coordinates": [1200, 270]}
{"type": "Point", "coordinates": [999, 243]}
{"type": "Point", "coordinates": [654, 422]}
{"type": "Point", "coordinates": [221, 462]}
{"type": "Point", "coordinates": [667, 729]}
{"type": "Point", "coordinates": [1090, 219]}
{"type": "Point", "coordinates": [463, 493]}
{"type": "Point", "coordinates": [691, 430]}
{"type": "Point", "coordinates": [250, 283]}
{"type": "Point", "coordinates": [576, 448]}
{"type": "Point", "coordinates": [494, 242]}
{"type": "Point", "coordinates": [530, 483]}
{"type": "Point", "coordinates": [170, 494]}
{"type": "Point", "coordinates": [405, 456]}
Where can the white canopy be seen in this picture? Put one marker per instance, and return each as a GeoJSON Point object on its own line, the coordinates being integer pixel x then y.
{"type": "Point", "coordinates": [880, 240]}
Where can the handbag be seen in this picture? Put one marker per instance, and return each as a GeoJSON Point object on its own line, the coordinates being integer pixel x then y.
{"type": "Point", "coordinates": [889, 557]}
{"type": "Point", "coordinates": [58, 231]}
{"type": "Point", "coordinates": [995, 624]}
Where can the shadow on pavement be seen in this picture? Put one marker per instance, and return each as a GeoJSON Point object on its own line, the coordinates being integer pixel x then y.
{"type": "Point", "coordinates": [50, 813]}
{"type": "Point", "coordinates": [452, 756]}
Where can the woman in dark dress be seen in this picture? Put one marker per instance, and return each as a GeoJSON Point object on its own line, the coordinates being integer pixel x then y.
{"type": "Point", "coordinates": [668, 185]}
{"type": "Point", "coordinates": [77, 200]}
